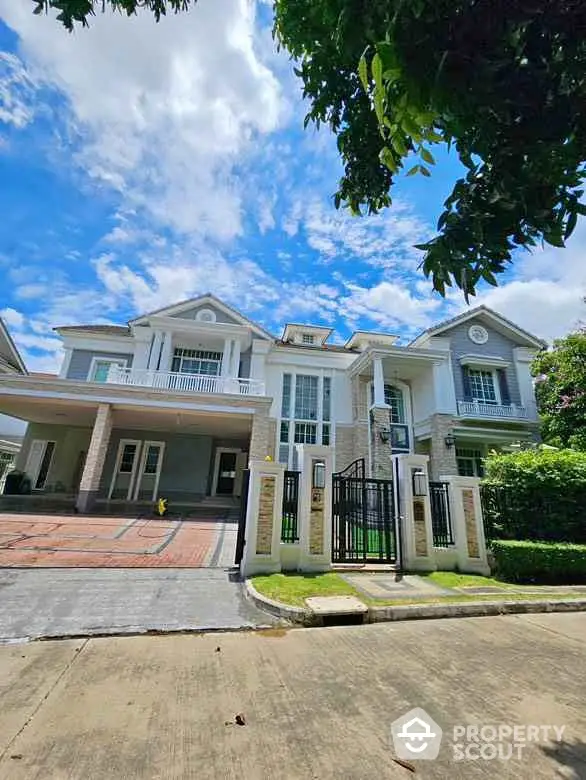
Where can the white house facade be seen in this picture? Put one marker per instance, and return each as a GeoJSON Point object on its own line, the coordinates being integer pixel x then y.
{"type": "Point", "coordinates": [177, 402]}
{"type": "Point", "coordinates": [11, 430]}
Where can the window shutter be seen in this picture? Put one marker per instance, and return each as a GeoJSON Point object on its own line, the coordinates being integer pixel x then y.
{"type": "Point", "coordinates": [503, 386]}
{"type": "Point", "coordinates": [466, 383]}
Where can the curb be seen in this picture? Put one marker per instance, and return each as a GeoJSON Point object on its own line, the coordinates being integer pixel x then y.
{"type": "Point", "coordinates": [420, 611]}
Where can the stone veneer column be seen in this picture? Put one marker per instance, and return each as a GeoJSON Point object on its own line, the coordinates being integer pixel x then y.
{"type": "Point", "coordinates": [442, 458]}
{"type": "Point", "coordinates": [260, 444]}
{"type": "Point", "coordinates": [382, 462]}
{"type": "Point", "coordinates": [467, 523]}
{"type": "Point", "coordinates": [94, 462]}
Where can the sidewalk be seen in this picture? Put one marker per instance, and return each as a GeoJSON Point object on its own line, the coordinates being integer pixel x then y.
{"type": "Point", "coordinates": [316, 703]}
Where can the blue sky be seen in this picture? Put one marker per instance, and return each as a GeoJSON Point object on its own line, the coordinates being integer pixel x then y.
{"type": "Point", "coordinates": [142, 164]}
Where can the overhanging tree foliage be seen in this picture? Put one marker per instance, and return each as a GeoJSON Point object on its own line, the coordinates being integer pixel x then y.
{"type": "Point", "coordinates": [560, 388]}
{"type": "Point", "coordinates": [503, 81]}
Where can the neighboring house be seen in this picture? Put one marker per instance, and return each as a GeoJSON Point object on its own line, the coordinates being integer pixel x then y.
{"type": "Point", "coordinates": [11, 430]}
{"type": "Point", "coordinates": [176, 402]}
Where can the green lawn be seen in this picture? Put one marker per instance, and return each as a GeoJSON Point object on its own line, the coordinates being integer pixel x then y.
{"type": "Point", "coordinates": [293, 589]}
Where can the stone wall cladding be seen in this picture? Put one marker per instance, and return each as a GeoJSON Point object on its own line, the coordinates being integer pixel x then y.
{"type": "Point", "coordinates": [97, 450]}
{"type": "Point", "coordinates": [419, 528]}
{"type": "Point", "coordinates": [316, 522]}
{"type": "Point", "coordinates": [264, 528]}
{"type": "Point", "coordinates": [260, 439]}
{"type": "Point", "coordinates": [272, 435]}
{"type": "Point", "coordinates": [443, 459]}
{"type": "Point", "coordinates": [382, 462]}
{"type": "Point", "coordinates": [470, 523]}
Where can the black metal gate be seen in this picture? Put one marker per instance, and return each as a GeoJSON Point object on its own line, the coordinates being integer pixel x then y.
{"type": "Point", "coordinates": [241, 535]}
{"type": "Point", "coordinates": [289, 525]}
{"type": "Point", "coordinates": [363, 527]}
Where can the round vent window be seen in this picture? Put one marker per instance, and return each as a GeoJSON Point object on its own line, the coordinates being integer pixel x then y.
{"type": "Point", "coordinates": [478, 334]}
{"type": "Point", "coordinates": [206, 315]}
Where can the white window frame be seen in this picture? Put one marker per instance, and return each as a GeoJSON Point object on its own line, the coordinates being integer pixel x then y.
{"type": "Point", "coordinates": [122, 362]}
{"type": "Point", "coordinates": [474, 459]}
{"type": "Point", "coordinates": [308, 339]}
{"type": "Point", "coordinates": [181, 358]}
{"type": "Point", "coordinates": [291, 419]}
{"type": "Point", "coordinates": [495, 384]}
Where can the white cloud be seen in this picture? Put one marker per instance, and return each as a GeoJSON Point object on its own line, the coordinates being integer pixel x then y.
{"type": "Point", "coordinates": [16, 91]}
{"type": "Point", "coordinates": [13, 318]}
{"type": "Point", "coordinates": [164, 113]}
{"type": "Point", "coordinates": [390, 306]}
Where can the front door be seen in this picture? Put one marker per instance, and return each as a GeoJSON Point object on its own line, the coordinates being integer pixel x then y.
{"type": "Point", "coordinates": [226, 473]}
{"type": "Point", "coordinates": [149, 473]}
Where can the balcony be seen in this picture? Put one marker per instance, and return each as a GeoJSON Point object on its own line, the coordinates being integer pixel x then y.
{"type": "Point", "coordinates": [478, 409]}
{"type": "Point", "coordinates": [184, 383]}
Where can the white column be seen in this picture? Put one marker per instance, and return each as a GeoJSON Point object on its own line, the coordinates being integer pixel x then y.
{"type": "Point", "coordinates": [443, 387]}
{"type": "Point", "coordinates": [379, 382]}
{"type": "Point", "coordinates": [155, 351]}
{"type": "Point", "coordinates": [66, 361]}
{"type": "Point", "coordinates": [225, 370]}
{"type": "Point", "coordinates": [414, 514]}
{"type": "Point", "coordinates": [315, 509]}
{"type": "Point", "coordinates": [141, 350]}
{"type": "Point", "coordinates": [264, 512]}
{"type": "Point", "coordinates": [523, 359]}
{"type": "Point", "coordinates": [166, 354]}
{"type": "Point", "coordinates": [235, 359]}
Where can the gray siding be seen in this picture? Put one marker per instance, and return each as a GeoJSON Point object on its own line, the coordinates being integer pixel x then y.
{"type": "Point", "coordinates": [186, 463]}
{"type": "Point", "coordinates": [81, 360]}
{"type": "Point", "coordinates": [191, 314]}
{"type": "Point", "coordinates": [496, 346]}
{"type": "Point", "coordinates": [69, 443]}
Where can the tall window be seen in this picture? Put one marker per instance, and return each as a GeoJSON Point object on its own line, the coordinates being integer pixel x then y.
{"type": "Point", "coordinates": [305, 414]}
{"type": "Point", "coordinates": [394, 398]}
{"type": "Point", "coordinates": [482, 386]}
{"type": "Point", "coordinates": [196, 361]}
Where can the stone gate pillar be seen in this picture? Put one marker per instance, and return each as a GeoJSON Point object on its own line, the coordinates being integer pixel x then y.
{"type": "Point", "coordinates": [467, 524]}
{"type": "Point", "coordinates": [95, 458]}
{"type": "Point", "coordinates": [264, 511]}
{"type": "Point", "coordinates": [315, 507]}
{"type": "Point", "coordinates": [415, 531]}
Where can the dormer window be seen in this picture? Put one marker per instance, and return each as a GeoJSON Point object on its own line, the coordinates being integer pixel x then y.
{"type": "Point", "coordinates": [308, 338]}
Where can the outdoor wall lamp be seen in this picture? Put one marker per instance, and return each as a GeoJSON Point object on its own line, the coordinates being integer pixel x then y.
{"type": "Point", "coordinates": [449, 441]}
{"type": "Point", "coordinates": [419, 483]}
{"type": "Point", "coordinates": [385, 434]}
{"type": "Point", "coordinates": [319, 474]}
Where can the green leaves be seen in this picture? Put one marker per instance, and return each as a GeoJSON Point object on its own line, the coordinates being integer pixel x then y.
{"type": "Point", "coordinates": [78, 11]}
{"type": "Point", "coordinates": [395, 77]}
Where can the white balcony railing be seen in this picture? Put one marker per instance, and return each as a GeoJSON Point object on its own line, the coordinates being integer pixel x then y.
{"type": "Point", "coordinates": [184, 383]}
{"type": "Point", "coordinates": [478, 409]}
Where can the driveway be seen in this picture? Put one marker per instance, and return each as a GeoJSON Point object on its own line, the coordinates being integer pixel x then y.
{"type": "Point", "coordinates": [316, 703]}
{"type": "Point", "coordinates": [116, 542]}
{"type": "Point", "coordinates": [37, 603]}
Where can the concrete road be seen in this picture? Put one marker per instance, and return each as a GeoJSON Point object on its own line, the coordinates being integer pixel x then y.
{"type": "Point", "coordinates": [72, 602]}
{"type": "Point", "coordinates": [317, 703]}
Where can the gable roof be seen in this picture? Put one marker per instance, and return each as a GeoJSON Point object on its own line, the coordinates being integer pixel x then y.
{"type": "Point", "coordinates": [489, 314]}
{"type": "Point", "coordinates": [201, 300]}
{"type": "Point", "coordinates": [8, 350]}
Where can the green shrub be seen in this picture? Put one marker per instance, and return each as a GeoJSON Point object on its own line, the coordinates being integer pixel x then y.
{"type": "Point", "coordinates": [536, 494]}
{"type": "Point", "coordinates": [540, 562]}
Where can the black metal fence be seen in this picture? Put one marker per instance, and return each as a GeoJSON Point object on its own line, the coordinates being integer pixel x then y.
{"type": "Point", "coordinates": [441, 521]}
{"type": "Point", "coordinates": [363, 528]}
{"type": "Point", "coordinates": [290, 525]}
{"type": "Point", "coordinates": [548, 515]}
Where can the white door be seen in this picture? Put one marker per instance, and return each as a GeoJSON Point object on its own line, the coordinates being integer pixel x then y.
{"type": "Point", "coordinates": [125, 469]}
{"type": "Point", "coordinates": [149, 473]}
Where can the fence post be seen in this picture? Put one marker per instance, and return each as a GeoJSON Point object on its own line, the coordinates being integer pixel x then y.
{"type": "Point", "coordinates": [263, 518]}
{"type": "Point", "coordinates": [315, 507]}
{"type": "Point", "coordinates": [414, 515]}
{"type": "Point", "coordinates": [467, 524]}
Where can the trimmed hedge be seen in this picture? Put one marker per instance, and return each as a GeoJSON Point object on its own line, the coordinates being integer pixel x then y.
{"type": "Point", "coordinates": [540, 562]}
{"type": "Point", "coordinates": [536, 494]}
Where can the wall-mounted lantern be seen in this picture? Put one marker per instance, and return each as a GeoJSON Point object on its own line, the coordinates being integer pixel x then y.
{"type": "Point", "coordinates": [319, 474]}
{"type": "Point", "coordinates": [450, 440]}
{"type": "Point", "coordinates": [419, 483]}
{"type": "Point", "coordinates": [385, 434]}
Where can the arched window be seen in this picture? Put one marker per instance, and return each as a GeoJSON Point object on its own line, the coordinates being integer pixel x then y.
{"type": "Point", "coordinates": [394, 398]}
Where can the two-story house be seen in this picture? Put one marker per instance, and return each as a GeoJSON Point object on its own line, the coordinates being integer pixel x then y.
{"type": "Point", "coordinates": [177, 401]}
{"type": "Point", "coordinates": [11, 431]}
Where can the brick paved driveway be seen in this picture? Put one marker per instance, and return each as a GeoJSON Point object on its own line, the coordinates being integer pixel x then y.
{"type": "Point", "coordinates": [28, 540]}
